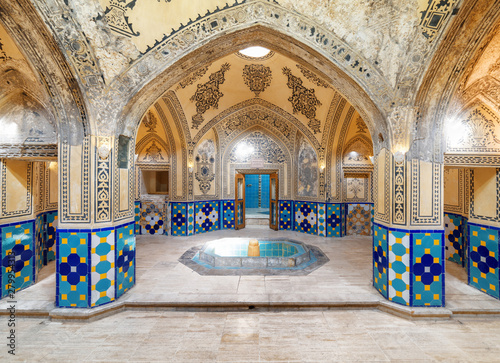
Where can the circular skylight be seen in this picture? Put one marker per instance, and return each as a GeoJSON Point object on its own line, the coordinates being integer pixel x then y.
{"type": "Point", "coordinates": [255, 52]}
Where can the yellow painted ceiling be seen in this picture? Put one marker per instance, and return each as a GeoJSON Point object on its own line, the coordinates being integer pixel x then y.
{"type": "Point", "coordinates": [235, 92]}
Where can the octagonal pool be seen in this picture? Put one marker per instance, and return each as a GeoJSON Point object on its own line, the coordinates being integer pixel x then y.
{"type": "Point", "coordinates": [232, 253]}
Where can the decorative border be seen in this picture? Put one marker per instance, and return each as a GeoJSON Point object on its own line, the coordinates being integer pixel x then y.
{"type": "Point", "coordinates": [437, 177]}
{"type": "Point", "coordinates": [471, 160]}
{"type": "Point", "coordinates": [65, 192]}
{"type": "Point", "coordinates": [102, 184]}
{"type": "Point", "coordinates": [29, 191]}
{"type": "Point", "coordinates": [448, 208]}
{"type": "Point", "coordinates": [399, 212]}
{"type": "Point", "coordinates": [472, 193]}
{"type": "Point", "coordinates": [386, 190]}
{"type": "Point", "coordinates": [120, 214]}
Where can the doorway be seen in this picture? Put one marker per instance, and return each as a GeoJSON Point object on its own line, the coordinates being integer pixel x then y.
{"type": "Point", "coordinates": [256, 200]}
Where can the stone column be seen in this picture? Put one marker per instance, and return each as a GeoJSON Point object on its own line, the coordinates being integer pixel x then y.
{"type": "Point", "coordinates": [95, 239]}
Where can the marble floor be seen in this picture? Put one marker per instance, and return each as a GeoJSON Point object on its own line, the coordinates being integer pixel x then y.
{"type": "Point", "coordinates": [316, 334]}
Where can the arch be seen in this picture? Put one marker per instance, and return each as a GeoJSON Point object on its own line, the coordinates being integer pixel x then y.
{"type": "Point", "coordinates": [227, 43]}
{"type": "Point", "coordinates": [468, 36]}
{"type": "Point", "coordinates": [50, 68]}
{"type": "Point", "coordinates": [228, 188]}
{"type": "Point", "coordinates": [139, 147]}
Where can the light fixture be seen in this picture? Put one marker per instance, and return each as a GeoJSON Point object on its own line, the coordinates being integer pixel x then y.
{"type": "Point", "coordinates": [255, 52]}
{"type": "Point", "coordinates": [243, 150]}
{"type": "Point", "coordinates": [190, 167]}
{"type": "Point", "coordinates": [399, 156]}
{"type": "Point", "coordinates": [322, 167]}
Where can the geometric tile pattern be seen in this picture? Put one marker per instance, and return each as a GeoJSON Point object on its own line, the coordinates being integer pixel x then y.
{"type": "Point", "coordinates": [39, 242]}
{"type": "Point", "coordinates": [72, 270]}
{"type": "Point", "coordinates": [453, 237]}
{"type": "Point", "coordinates": [380, 260]}
{"type": "Point", "coordinates": [152, 221]}
{"type": "Point", "coordinates": [399, 267]}
{"type": "Point", "coordinates": [168, 223]}
{"type": "Point", "coordinates": [179, 219]}
{"type": "Point", "coordinates": [102, 272]}
{"type": "Point", "coordinates": [190, 219]}
{"type": "Point", "coordinates": [137, 217]}
{"type": "Point", "coordinates": [50, 219]}
{"type": "Point", "coordinates": [228, 214]}
{"type": "Point", "coordinates": [334, 220]}
{"type": "Point", "coordinates": [428, 269]}
{"type": "Point", "coordinates": [358, 219]}
{"type": "Point", "coordinates": [125, 259]}
{"type": "Point", "coordinates": [321, 219]}
{"type": "Point", "coordinates": [285, 214]}
{"type": "Point", "coordinates": [483, 259]}
{"type": "Point", "coordinates": [18, 252]}
{"type": "Point", "coordinates": [305, 217]}
{"type": "Point", "coordinates": [207, 216]}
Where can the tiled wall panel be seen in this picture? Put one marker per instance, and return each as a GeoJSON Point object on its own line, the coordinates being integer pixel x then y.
{"type": "Point", "coordinates": [321, 219]}
{"type": "Point", "coordinates": [286, 214]}
{"type": "Point", "coordinates": [484, 259]}
{"type": "Point", "coordinates": [137, 217]}
{"type": "Point", "coordinates": [73, 270]}
{"type": "Point", "coordinates": [399, 267]}
{"type": "Point", "coordinates": [125, 259]}
{"type": "Point", "coordinates": [179, 219]}
{"type": "Point", "coordinates": [453, 237]}
{"type": "Point", "coordinates": [334, 220]}
{"type": "Point", "coordinates": [428, 269]}
{"type": "Point", "coordinates": [380, 260]}
{"type": "Point", "coordinates": [306, 217]}
{"type": "Point", "coordinates": [18, 251]}
{"type": "Point", "coordinates": [102, 272]}
{"type": "Point", "coordinates": [206, 216]}
{"type": "Point", "coordinates": [228, 214]}
{"type": "Point", "coordinates": [358, 219]}
{"type": "Point", "coordinates": [152, 218]}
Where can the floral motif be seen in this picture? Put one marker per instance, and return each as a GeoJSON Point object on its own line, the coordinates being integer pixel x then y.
{"type": "Point", "coordinates": [193, 77]}
{"type": "Point", "coordinates": [117, 19]}
{"type": "Point", "coordinates": [153, 153]}
{"type": "Point", "coordinates": [257, 77]}
{"type": "Point", "coordinates": [150, 122]}
{"type": "Point", "coordinates": [264, 148]}
{"type": "Point", "coordinates": [208, 95]}
{"type": "Point", "coordinates": [303, 100]}
{"type": "Point", "coordinates": [312, 77]}
{"type": "Point", "coordinates": [205, 161]}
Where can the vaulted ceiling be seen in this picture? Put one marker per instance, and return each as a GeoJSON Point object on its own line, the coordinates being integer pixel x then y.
{"type": "Point", "coordinates": [106, 61]}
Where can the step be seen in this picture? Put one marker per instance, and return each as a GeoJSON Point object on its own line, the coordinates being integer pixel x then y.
{"type": "Point", "coordinates": [257, 221]}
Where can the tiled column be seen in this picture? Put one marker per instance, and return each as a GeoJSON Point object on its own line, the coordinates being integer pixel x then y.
{"type": "Point", "coordinates": [95, 244]}
{"type": "Point", "coordinates": [408, 238]}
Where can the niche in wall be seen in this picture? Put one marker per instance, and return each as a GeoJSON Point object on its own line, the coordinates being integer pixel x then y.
{"type": "Point", "coordinates": [156, 181]}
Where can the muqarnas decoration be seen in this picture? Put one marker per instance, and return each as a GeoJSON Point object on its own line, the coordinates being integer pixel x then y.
{"type": "Point", "coordinates": [205, 161]}
{"type": "Point", "coordinates": [257, 77]}
{"type": "Point", "coordinates": [303, 100]}
{"type": "Point", "coordinates": [264, 148]}
{"type": "Point", "coordinates": [208, 95]}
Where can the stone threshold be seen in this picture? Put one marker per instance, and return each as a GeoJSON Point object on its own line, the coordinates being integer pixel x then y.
{"type": "Point", "coordinates": [411, 313]}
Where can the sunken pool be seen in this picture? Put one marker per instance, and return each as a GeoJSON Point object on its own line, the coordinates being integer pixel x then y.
{"type": "Point", "coordinates": [274, 254]}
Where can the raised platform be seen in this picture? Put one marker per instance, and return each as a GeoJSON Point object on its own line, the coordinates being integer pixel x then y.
{"type": "Point", "coordinates": [344, 282]}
